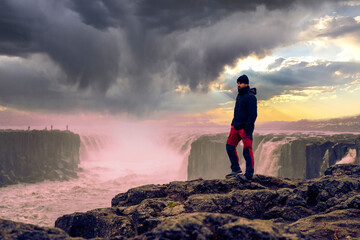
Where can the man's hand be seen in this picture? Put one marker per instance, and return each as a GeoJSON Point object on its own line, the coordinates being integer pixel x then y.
{"type": "Point", "coordinates": [247, 128]}
{"type": "Point", "coordinates": [237, 127]}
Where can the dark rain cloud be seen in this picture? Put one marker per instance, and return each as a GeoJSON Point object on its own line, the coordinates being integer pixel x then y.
{"type": "Point", "coordinates": [169, 16]}
{"type": "Point", "coordinates": [301, 76]}
{"type": "Point", "coordinates": [128, 55]}
{"type": "Point", "coordinates": [88, 57]}
{"type": "Point", "coordinates": [341, 27]}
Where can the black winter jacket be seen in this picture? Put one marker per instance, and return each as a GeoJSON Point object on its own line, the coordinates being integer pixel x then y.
{"type": "Point", "coordinates": [245, 111]}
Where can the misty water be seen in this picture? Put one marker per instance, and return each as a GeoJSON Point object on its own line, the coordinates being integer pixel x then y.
{"type": "Point", "coordinates": [114, 159]}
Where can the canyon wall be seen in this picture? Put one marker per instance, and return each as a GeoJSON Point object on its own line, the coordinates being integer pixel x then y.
{"type": "Point", "coordinates": [33, 156]}
{"type": "Point", "coordinates": [303, 156]}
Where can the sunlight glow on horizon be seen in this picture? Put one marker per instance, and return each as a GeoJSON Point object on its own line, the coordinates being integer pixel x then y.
{"type": "Point", "coordinates": [310, 73]}
{"type": "Point", "coordinates": [316, 102]}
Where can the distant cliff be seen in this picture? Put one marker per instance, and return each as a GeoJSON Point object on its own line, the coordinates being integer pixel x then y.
{"type": "Point", "coordinates": [32, 156]}
{"type": "Point", "coordinates": [283, 155]}
{"type": "Point", "coordinates": [345, 124]}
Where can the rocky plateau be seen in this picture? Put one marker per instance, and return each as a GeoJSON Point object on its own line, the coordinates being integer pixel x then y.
{"type": "Point", "coordinates": [326, 207]}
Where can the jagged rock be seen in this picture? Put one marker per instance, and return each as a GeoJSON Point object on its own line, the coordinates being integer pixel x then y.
{"type": "Point", "coordinates": [253, 203]}
{"type": "Point", "coordinates": [225, 209]}
{"type": "Point", "coordinates": [347, 201]}
{"type": "Point", "coordinates": [180, 191]}
{"type": "Point", "coordinates": [15, 230]}
{"type": "Point", "coordinates": [343, 169]}
{"type": "Point", "coordinates": [135, 196]}
{"type": "Point", "coordinates": [296, 212]}
{"type": "Point", "coordinates": [287, 213]}
{"type": "Point", "coordinates": [263, 208]}
{"type": "Point", "coordinates": [215, 226]}
{"type": "Point", "coordinates": [173, 209]}
{"type": "Point", "coordinates": [330, 192]}
{"type": "Point", "coordinates": [184, 210]}
{"type": "Point", "coordinates": [102, 223]}
{"type": "Point", "coordinates": [207, 202]}
{"type": "Point", "coordinates": [340, 224]}
{"type": "Point", "coordinates": [353, 202]}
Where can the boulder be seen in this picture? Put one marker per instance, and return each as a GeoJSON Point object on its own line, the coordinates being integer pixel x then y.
{"type": "Point", "coordinates": [340, 224]}
{"type": "Point", "coordinates": [215, 226]}
{"type": "Point", "coordinates": [22, 231]}
{"type": "Point", "coordinates": [103, 223]}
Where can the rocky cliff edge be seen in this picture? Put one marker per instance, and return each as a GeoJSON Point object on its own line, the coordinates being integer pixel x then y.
{"type": "Point", "coordinates": [38, 155]}
{"type": "Point", "coordinates": [327, 207]}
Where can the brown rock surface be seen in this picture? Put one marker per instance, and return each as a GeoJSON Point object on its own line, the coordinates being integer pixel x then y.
{"type": "Point", "coordinates": [263, 208]}
{"type": "Point", "coordinates": [15, 230]}
{"type": "Point", "coordinates": [327, 207]}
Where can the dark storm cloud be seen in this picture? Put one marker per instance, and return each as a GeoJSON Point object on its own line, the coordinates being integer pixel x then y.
{"type": "Point", "coordinates": [341, 27]}
{"type": "Point", "coordinates": [301, 76]}
{"type": "Point", "coordinates": [15, 35]}
{"type": "Point", "coordinates": [130, 54]}
{"type": "Point", "coordinates": [87, 56]}
{"type": "Point", "coordinates": [171, 16]}
{"type": "Point", "coordinates": [24, 87]}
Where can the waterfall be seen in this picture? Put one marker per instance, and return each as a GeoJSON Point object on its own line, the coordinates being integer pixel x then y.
{"type": "Point", "coordinates": [267, 157]}
{"type": "Point", "coordinates": [348, 158]}
{"type": "Point", "coordinates": [291, 155]}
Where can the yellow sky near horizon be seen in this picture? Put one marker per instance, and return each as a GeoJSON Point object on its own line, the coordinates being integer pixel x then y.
{"type": "Point", "coordinates": [312, 103]}
{"type": "Point", "coordinates": [287, 111]}
{"type": "Point", "coordinates": [315, 102]}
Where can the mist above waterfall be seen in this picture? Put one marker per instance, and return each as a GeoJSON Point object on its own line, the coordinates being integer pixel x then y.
{"type": "Point", "coordinates": [130, 150]}
{"type": "Point", "coordinates": [114, 156]}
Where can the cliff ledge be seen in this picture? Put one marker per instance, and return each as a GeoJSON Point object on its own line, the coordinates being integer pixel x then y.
{"type": "Point", "coordinates": [33, 156]}
{"type": "Point", "coordinates": [327, 207]}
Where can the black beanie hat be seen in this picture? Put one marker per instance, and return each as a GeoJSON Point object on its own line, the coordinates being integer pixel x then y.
{"type": "Point", "coordinates": [243, 79]}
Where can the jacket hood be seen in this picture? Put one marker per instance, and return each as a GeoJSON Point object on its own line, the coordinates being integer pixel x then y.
{"type": "Point", "coordinates": [251, 91]}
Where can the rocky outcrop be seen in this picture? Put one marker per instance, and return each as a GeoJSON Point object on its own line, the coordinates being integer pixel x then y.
{"type": "Point", "coordinates": [266, 207]}
{"type": "Point", "coordinates": [289, 155]}
{"type": "Point", "coordinates": [13, 230]}
{"type": "Point", "coordinates": [32, 156]}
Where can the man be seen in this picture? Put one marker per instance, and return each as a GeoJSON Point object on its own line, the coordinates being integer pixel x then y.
{"type": "Point", "coordinates": [242, 127]}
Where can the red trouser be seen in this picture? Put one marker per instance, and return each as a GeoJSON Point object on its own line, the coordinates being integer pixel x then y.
{"type": "Point", "coordinates": [233, 140]}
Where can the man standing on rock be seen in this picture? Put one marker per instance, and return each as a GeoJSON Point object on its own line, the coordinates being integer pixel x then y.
{"type": "Point", "coordinates": [242, 127]}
